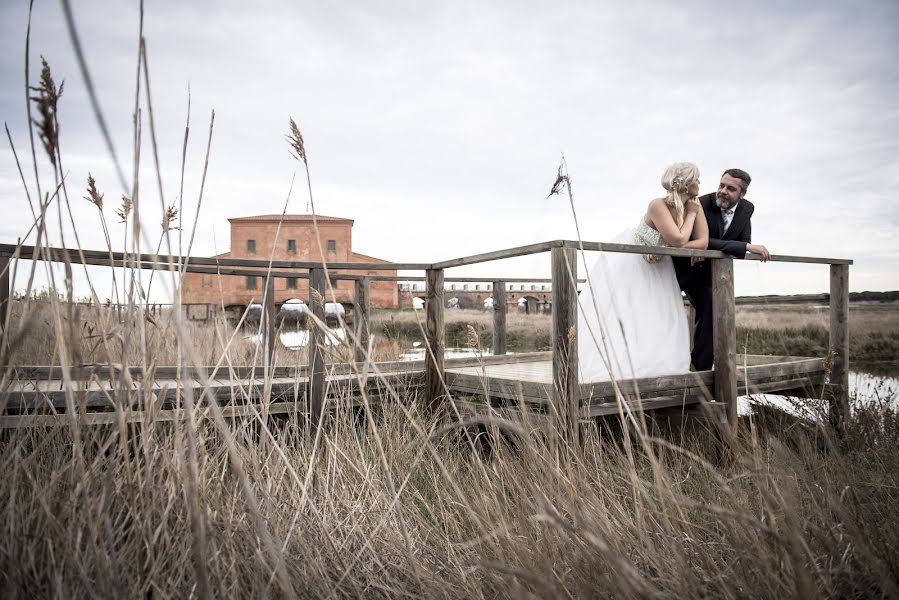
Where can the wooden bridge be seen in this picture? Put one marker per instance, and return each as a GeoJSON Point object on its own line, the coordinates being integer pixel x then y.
{"type": "Point", "coordinates": [542, 382]}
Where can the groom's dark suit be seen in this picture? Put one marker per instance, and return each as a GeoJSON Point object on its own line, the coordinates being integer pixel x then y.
{"type": "Point", "coordinates": [696, 280]}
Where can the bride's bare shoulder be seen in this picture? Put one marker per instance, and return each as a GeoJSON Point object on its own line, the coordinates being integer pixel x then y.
{"type": "Point", "coordinates": [656, 203]}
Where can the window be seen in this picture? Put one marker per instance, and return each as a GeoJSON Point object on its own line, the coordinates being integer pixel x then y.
{"type": "Point", "coordinates": [453, 287]}
{"type": "Point", "coordinates": [207, 281]}
{"type": "Point", "coordinates": [251, 282]}
{"type": "Point", "coordinates": [465, 286]}
{"type": "Point", "coordinates": [533, 287]}
{"type": "Point", "coordinates": [292, 247]}
{"type": "Point", "coordinates": [332, 246]}
{"type": "Point", "coordinates": [251, 246]}
{"type": "Point", "coordinates": [477, 287]}
{"type": "Point", "coordinates": [291, 283]}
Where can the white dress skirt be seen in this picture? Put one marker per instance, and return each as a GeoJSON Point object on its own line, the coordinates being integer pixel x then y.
{"type": "Point", "coordinates": [631, 318]}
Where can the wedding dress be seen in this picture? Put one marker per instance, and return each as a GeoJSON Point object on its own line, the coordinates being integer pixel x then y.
{"type": "Point", "coordinates": [631, 318]}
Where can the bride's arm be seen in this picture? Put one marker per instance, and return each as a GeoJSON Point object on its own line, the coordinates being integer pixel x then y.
{"type": "Point", "coordinates": [700, 235]}
{"type": "Point", "coordinates": [676, 237]}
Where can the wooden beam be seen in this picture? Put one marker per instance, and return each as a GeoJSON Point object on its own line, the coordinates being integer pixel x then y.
{"type": "Point", "coordinates": [666, 251]}
{"type": "Point", "coordinates": [269, 330]}
{"type": "Point", "coordinates": [164, 261]}
{"type": "Point", "coordinates": [839, 346]}
{"type": "Point", "coordinates": [496, 255]}
{"type": "Point", "coordinates": [435, 339]}
{"type": "Point", "coordinates": [362, 317]}
{"type": "Point", "coordinates": [566, 397]}
{"type": "Point", "coordinates": [725, 337]}
{"type": "Point", "coordinates": [499, 318]}
{"type": "Point", "coordinates": [5, 305]}
{"type": "Point", "coordinates": [317, 378]}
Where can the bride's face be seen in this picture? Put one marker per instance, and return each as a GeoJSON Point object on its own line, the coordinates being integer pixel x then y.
{"type": "Point", "coordinates": [693, 188]}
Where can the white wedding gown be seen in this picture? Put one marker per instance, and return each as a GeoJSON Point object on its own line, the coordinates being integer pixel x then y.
{"type": "Point", "coordinates": [631, 319]}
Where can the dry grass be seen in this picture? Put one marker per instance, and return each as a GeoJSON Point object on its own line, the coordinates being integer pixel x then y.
{"type": "Point", "coordinates": [385, 500]}
{"type": "Point", "coordinates": [803, 330]}
{"type": "Point", "coordinates": [385, 510]}
{"type": "Point", "coordinates": [388, 501]}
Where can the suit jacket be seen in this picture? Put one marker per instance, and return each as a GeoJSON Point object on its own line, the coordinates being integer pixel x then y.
{"type": "Point", "coordinates": [732, 242]}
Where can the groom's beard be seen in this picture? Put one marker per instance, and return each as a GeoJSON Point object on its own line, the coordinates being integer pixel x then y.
{"type": "Point", "coordinates": [724, 202]}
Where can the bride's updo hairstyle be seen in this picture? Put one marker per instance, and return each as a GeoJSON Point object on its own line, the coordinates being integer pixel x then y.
{"type": "Point", "coordinates": [676, 179]}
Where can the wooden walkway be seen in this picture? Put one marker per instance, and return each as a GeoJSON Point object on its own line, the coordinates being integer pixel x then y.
{"type": "Point", "coordinates": [547, 380]}
{"type": "Point", "coordinates": [38, 396]}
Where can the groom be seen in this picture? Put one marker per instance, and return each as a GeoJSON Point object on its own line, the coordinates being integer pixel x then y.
{"type": "Point", "coordinates": [728, 214]}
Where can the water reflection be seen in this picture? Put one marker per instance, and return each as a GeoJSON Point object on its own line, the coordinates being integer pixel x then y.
{"type": "Point", "coordinates": [882, 390]}
{"type": "Point", "coordinates": [299, 338]}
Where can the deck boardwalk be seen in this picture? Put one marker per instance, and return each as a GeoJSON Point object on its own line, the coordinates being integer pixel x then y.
{"type": "Point", "coordinates": [511, 380]}
{"type": "Point", "coordinates": [542, 381]}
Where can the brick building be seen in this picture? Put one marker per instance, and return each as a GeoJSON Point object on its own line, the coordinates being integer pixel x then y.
{"type": "Point", "coordinates": [254, 237]}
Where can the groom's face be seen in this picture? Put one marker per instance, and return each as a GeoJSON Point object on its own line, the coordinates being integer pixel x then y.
{"type": "Point", "coordinates": [730, 191]}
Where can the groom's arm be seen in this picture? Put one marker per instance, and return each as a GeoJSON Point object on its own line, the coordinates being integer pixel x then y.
{"type": "Point", "coordinates": [736, 248]}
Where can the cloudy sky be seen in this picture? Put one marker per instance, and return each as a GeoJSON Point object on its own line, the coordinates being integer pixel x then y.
{"type": "Point", "coordinates": [439, 126]}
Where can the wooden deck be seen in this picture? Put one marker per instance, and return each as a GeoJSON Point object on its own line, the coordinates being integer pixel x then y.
{"type": "Point", "coordinates": [38, 396]}
{"type": "Point", "coordinates": [536, 380]}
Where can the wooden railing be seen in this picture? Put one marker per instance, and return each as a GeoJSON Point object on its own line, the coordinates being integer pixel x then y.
{"type": "Point", "coordinates": [563, 266]}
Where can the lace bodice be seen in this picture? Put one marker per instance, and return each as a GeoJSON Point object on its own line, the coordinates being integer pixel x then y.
{"type": "Point", "coordinates": [644, 235]}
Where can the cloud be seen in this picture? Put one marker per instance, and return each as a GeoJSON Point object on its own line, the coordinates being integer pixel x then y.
{"type": "Point", "coordinates": [459, 113]}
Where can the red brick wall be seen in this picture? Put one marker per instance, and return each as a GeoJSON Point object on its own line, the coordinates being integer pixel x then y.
{"type": "Point", "coordinates": [232, 290]}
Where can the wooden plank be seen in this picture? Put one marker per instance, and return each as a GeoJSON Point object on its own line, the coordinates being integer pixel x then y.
{"type": "Point", "coordinates": [606, 389]}
{"type": "Point", "coordinates": [435, 340]}
{"type": "Point", "coordinates": [499, 318]}
{"type": "Point", "coordinates": [807, 383]}
{"type": "Point", "coordinates": [838, 393]}
{"type": "Point", "coordinates": [101, 394]}
{"type": "Point", "coordinates": [724, 329]}
{"type": "Point", "coordinates": [634, 249]}
{"type": "Point", "coordinates": [164, 261]}
{"type": "Point", "coordinates": [497, 255]}
{"type": "Point", "coordinates": [362, 317]}
{"type": "Point", "coordinates": [769, 371]}
{"type": "Point", "coordinates": [566, 394]}
{"type": "Point", "coordinates": [667, 401]}
{"type": "Point", "coordinates": [471, 279]}
{"type": "Point", "coordinates": [316, 360]}
{"type": "Point", "coordinates": [161, 415]}
{"type": "Point", "coordinates": [492, 387]}
{"type": "Point", "coordinates": [25, 373]}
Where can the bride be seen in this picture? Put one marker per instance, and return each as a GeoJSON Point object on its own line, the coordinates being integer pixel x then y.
{"type": "Point", "coordinates": [631, 320]}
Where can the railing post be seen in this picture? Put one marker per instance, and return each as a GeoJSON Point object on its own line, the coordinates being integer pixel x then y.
{"type": "Point", "coordinates": [5, 306]}
{"type": "Point", "coordinates": [724, 330]}
{"type": "Point", "coordinates": [363, 312]}
{"type": "Point", "coordinates": [839, 346]}
{"type": "Point", "coordinates": [435, 332]}
{"type": "Point", "coordinates": [316, 388]}
{"type": "Point", "coordinates": [268, 322]}
{"type": "Point", "coordinates": [499, 318]}
{"type": "Point", "coordinates": [566, 398]}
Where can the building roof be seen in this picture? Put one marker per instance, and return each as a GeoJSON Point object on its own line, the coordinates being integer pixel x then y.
{"type": "Point", "coordinates": [359, 257]}
{"type": "Point", "coordinates": [290, 218]}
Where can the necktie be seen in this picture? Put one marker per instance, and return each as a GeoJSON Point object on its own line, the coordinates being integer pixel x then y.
{"type": "Point", "coordinates": [727, 215]}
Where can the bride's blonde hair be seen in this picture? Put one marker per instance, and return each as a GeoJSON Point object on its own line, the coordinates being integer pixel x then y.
{"type": "Point", "coordinates": [676, 179]}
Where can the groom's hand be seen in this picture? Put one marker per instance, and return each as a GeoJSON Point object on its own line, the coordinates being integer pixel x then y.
{"type": "Point", "coordinates": [760, 250]}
